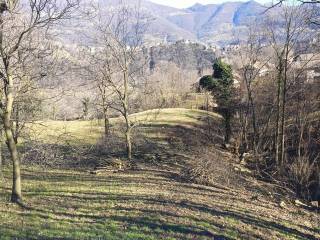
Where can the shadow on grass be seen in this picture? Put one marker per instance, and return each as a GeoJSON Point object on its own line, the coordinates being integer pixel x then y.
{"type": "Point", "coordinates": [130, 209]}
{"type": "Point", "coordinates": [164, 145]}
{"type": "Point", "coordinates": [144, 211]}
{"type": "Point", "coordinates": [153, 222]}
{"type": "Point", "coordinates": [153, 145]}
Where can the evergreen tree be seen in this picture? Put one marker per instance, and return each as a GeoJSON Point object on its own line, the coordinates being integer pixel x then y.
{"type": "Point", "coordinates": [221, 86]}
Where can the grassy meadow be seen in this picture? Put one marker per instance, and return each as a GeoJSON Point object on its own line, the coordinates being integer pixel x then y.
{"type": "Point", "coordinates": [151, 203]}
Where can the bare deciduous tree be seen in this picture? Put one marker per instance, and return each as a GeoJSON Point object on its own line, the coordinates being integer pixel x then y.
{"type": "Point", "coordinates": [284, 40]}
{"type": "Point", "coordinates": [119, 62]}
{"type": "Point", "coordinates": [18, 21]}
{"type": "Point", "coordinates": [280, 100]}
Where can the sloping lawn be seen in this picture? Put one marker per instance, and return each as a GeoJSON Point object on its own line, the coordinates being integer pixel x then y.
{"type": "Point", "coordinates": [153, 203]}
{"type": "Point", "coordinates": [148, 204]}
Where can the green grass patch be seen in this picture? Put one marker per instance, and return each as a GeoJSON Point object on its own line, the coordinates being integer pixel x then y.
{"type": "Point", "coordinates": [89, 132]}
{"type": "Point", "coordinates": [134, 205]}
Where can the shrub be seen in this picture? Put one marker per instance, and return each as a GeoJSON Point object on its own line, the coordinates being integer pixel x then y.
{"type": "Point", "coordinates": [303, 175]}
{"type": "Point", "coordinates": [211, 168]}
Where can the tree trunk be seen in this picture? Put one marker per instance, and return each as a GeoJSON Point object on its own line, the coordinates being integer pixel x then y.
{"type": "Point", "coordinates": [129, 144]}
{"type": "Point", "coordinates": [16, 195]}
{"type": "Point", "coordinates": [277, 134]}
{"type": "Point", "coordinates": [282, 128]}
{"type": "Point", "coordinates": [126, 114]}
{"type": "Point", "coordinates": [251, 109]}
{"type": "Point", "coordinates": [106, 126]}
{"type": "Point", "coordinates": [106, 120]}
{"type": "Point", "coordinates": [284, 104]}
{"type": "Point", "coordinates": [128, 133]}
{"type": "Point", "coordinates": [17, 125]}
{"type": "Point", "coordinates": [256, 134]}
{"type": "Point", "coordinates": [244, 137]}
{"type": "Point", "coordinates": [54, 112]}
{"type": "Point", "coordinates": [228, 131]}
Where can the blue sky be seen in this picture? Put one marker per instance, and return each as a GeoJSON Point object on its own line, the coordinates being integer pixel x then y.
{"type": "Point", "coordinates": [188, 3]}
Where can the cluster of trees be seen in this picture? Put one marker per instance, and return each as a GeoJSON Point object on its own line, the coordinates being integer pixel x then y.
{"type": "Point", "coordinates": [126, 79]}
{"type": "Point", "coordinates": [28, 59]}
{"type": "Point", "coordinates": [117, 66]}
{"type": "Point", "coordinates": [278, 111]}
{"type": "Point", "coordinates": [279, 99]}
{"type": "Point", "coordinates": [275, 110]}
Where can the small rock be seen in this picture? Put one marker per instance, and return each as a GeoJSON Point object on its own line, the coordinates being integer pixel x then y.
{"type": "Point", "coordinates": [315, 204]}
{"type": "Point", "coordinates": [242, 169]}
{"type": "Point", "coordinates": [283, 204]}
{"type": "Point", "coordinates": [299, 203]}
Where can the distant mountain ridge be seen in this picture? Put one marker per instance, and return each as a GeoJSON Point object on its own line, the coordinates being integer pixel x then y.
{"type": "Point", "coordinates": [219, 24]}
